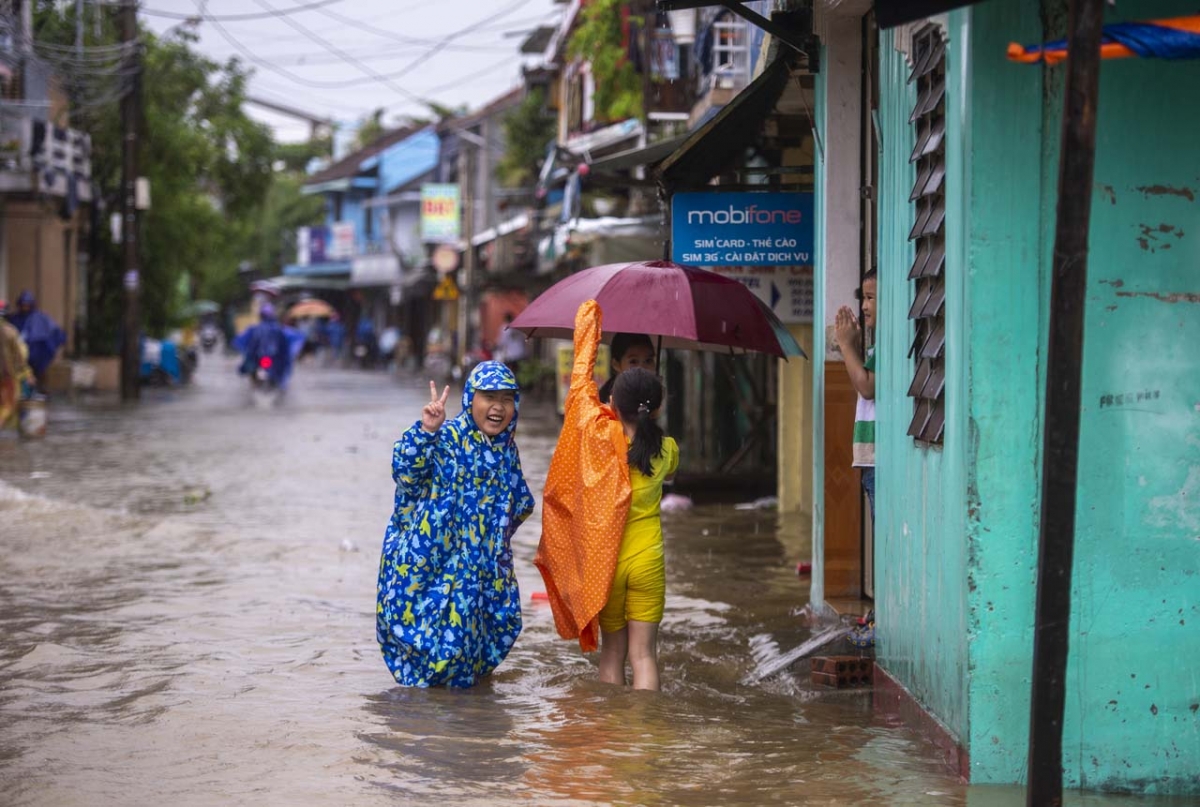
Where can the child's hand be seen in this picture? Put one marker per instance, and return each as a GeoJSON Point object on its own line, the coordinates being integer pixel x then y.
{"type": "Point", "coordinates": [434, 413]}
{"type": "Point", "coordinates": [845, 328]}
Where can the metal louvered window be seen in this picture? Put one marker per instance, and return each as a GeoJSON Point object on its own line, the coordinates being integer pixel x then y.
{"type": "Point", "coordinates": [928, 196]}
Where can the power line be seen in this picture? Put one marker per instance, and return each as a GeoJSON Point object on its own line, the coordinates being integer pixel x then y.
{"type": "Point", "coordinates": [403, 38]}
{"type": "Point", "coordinates": [461, 79]}
{"type": "Point", "coordinates": [329, 46]}
{"type": "Point", "coordinates": [256, 60]}
{"type": "Point", "coordinates": [455, 82]}
{"type": "Point", "coordinates": [424, 57]}
{"type": "Point", "coordinates": [281, 13]}
{"type": "Point", "coordinates": [391, 53]}
{"type": "Point", "coordinates": [445, 41]}
{"type": "Point", "coordinates": [372, 76]}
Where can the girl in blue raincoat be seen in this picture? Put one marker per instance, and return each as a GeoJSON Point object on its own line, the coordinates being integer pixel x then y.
{"type": "Point", "coordinates": [448, 609]}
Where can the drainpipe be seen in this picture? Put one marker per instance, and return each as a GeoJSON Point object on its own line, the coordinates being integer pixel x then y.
{"type": "Point", "coordinates": [1060, 447]}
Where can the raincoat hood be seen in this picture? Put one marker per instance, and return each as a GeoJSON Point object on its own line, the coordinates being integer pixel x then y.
{"type": "Point", "coordinates": [491, 376]}
{"type": "Point", "coordinates": [26, 298]}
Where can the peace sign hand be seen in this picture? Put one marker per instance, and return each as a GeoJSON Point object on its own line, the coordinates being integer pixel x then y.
{"type": "Point", "coordinates": [434, 413]}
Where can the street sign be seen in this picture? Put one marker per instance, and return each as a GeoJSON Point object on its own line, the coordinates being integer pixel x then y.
{"type": "Point", "coordinates": [444, 259]}
{"type": "Point", "coordinates": [565, 354]}
{"type": "Point", "coordinates": [446, 290]}
{"type": "Point", "coordinates": [311, 245]}
{"type": "Point", "coordinates": [742, 229]}
{"type": "Point", "coordinates": [439, 212]}
{"type": "Point", "coordinates": [341, 245]}
{"type": "Point", "coordinates": [788, 290]}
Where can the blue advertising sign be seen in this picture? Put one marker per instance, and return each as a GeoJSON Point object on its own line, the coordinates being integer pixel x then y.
{"type": "Point", "coordinates": [742, 229]}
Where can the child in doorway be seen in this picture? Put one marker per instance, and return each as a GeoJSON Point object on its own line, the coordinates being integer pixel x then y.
{"type": "Point", "coordinates": [601, 552]}
{"type": "Point", "coordinates": [628, 350]}
{"type": "Point", "coordinates": [862, 375]}
{"type": "Point", "coordinates": [448, 609]}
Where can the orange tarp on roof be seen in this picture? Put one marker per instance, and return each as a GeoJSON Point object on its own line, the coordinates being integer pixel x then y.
{"type": "Point", "coordinates": [586, 499]}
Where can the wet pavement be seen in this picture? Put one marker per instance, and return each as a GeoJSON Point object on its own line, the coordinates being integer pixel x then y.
{"type": "Point", "coordinates": [187, 616]}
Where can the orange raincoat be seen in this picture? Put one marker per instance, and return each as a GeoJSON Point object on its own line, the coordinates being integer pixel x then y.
{"type": "Point", "coordinates": [586, 502]}
{"type": "Point", "coordinates": [13, 370]}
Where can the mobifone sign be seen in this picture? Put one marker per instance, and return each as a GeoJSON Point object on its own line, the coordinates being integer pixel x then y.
{"type": "Point", "coordinates": [742, 229]}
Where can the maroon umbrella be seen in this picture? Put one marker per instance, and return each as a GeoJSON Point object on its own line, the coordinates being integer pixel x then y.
{"type": "Point", "coordinates": [686, 307]}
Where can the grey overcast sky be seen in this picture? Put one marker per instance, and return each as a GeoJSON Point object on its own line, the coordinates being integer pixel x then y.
{"type": "Point", "coordinates": [379, 53]}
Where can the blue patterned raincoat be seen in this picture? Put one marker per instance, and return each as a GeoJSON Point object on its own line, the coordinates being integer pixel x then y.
{"type": "Point", "coordinates": [448, 609]}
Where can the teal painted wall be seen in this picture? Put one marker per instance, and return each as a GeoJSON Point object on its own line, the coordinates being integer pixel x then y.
{"type": "Point", "coordinates": [958, 525]}
{"type": "Point", "coordinates": [817, 591]}
{"type": "Point", "coordinates": [1133, 688]}
{"type": "Point", "coordinates": [1011, 181]}
{"type": "Point", "coordinates": [920, 561]}
{"type": "Point", "coordinates": [1135, 653]}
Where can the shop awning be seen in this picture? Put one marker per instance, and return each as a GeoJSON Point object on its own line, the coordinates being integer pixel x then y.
{"type": "Point", "coordinates": [714, 146]}
{"type": "Point", "coordinates": [323, 269]}
{"type": "Point", "coordinates": [632, 158]}
{"type": "Point", "coordinates": [375, 271]}
{"type": "Point", "coordinates": [518, 222]}
{"type": "Point", "coordinates": [588, 144]}
{"type": "Point", "coordinates": [294, 282]}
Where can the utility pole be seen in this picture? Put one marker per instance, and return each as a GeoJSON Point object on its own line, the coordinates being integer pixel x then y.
{"type": "Point", "coordinates": [466, 294]}
{"type": "Point", "coordinates": [131, 113]}
{"type": "Point", "coordinates": [1060, 447]}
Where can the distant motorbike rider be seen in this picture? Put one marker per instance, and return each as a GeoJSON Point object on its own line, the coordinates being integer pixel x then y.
{"type": "Point", "coordinates": [267, 347]}
{"type": "Point", "coordinates": [41, 334]}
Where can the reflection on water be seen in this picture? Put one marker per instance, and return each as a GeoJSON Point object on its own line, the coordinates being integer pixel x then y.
{"type": "Point", "coordinates": [187, 613]}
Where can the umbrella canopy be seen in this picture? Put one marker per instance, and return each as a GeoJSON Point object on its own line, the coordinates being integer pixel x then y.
{"type": "Point", "coordinates": [311, 308]}
{"type": "Point", "coordinates": [687, 307]}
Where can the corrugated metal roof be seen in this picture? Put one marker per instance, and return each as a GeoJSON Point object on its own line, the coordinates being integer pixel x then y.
{"type": "Point", "coordinates": [349, 165]}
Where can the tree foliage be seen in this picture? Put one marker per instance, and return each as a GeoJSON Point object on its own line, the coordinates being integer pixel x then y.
{"type": "Point", "coordinates": [295, 157]}
{"type": "Point", "coordinates": [216, 201]}
{"type": "Point", "coordinates": [369, 129]}
{"type": "Point", "coordinates": [528, 130]}
{"type": "Point", "coordinates": [599, 40]}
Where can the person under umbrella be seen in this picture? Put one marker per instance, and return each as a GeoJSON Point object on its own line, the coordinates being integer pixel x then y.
{"type": "Point", "coordinates": [42, 335]}
{"type": "Point", "coordinates": [628, 350]}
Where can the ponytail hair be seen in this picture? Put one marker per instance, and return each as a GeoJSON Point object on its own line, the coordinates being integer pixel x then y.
{"type": "Point", "coordinates": [637, 394]}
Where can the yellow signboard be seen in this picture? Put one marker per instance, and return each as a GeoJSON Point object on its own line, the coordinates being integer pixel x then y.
{"type": "Point", "coordinates": [566, 359]}
{"type": "Point", "coordinates": [439, 212]}
{"type": "Point", "coordinates": [446, 289]}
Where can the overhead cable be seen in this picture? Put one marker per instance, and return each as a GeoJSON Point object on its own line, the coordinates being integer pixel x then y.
{"type": "Point", "coordinates": [329, 46]}
{"type": "Point", "coordinates": [405, 39]}
{"type": "Point", "coordinates": [281, 13]}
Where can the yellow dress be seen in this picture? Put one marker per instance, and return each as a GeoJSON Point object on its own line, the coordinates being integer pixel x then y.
{"type": "Point", "coordinates": [639, 588]}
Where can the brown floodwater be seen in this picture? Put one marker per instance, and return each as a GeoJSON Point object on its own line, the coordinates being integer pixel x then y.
{"type": "Point", "coordinates": [187, 617]}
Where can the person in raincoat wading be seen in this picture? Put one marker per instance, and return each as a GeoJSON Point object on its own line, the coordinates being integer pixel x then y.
{"type": "Point", "coordinates": [448, 609]}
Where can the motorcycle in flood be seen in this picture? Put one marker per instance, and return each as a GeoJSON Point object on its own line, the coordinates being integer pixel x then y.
{"type": "Point", "coordinates": [208, 337]}
{"type": "Point", "coordinates": [265, 390]}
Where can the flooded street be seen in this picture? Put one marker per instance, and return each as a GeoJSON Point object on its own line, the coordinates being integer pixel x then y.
{"type": "Point", "coordinates": [187, 610]}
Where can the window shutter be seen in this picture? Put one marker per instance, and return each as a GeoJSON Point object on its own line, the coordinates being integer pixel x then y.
{"type": "Point", "coordinates": [929, 232]}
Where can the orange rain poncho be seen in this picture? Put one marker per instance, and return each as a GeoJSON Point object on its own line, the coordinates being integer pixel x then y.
{"type": "Point", "coordinates": [13, 370]}
{"type": "Point", "coordinates": [587, 498]}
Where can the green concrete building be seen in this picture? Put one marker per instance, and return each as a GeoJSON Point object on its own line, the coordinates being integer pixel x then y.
{"type": "Point", "coordinates": [959, 148]}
